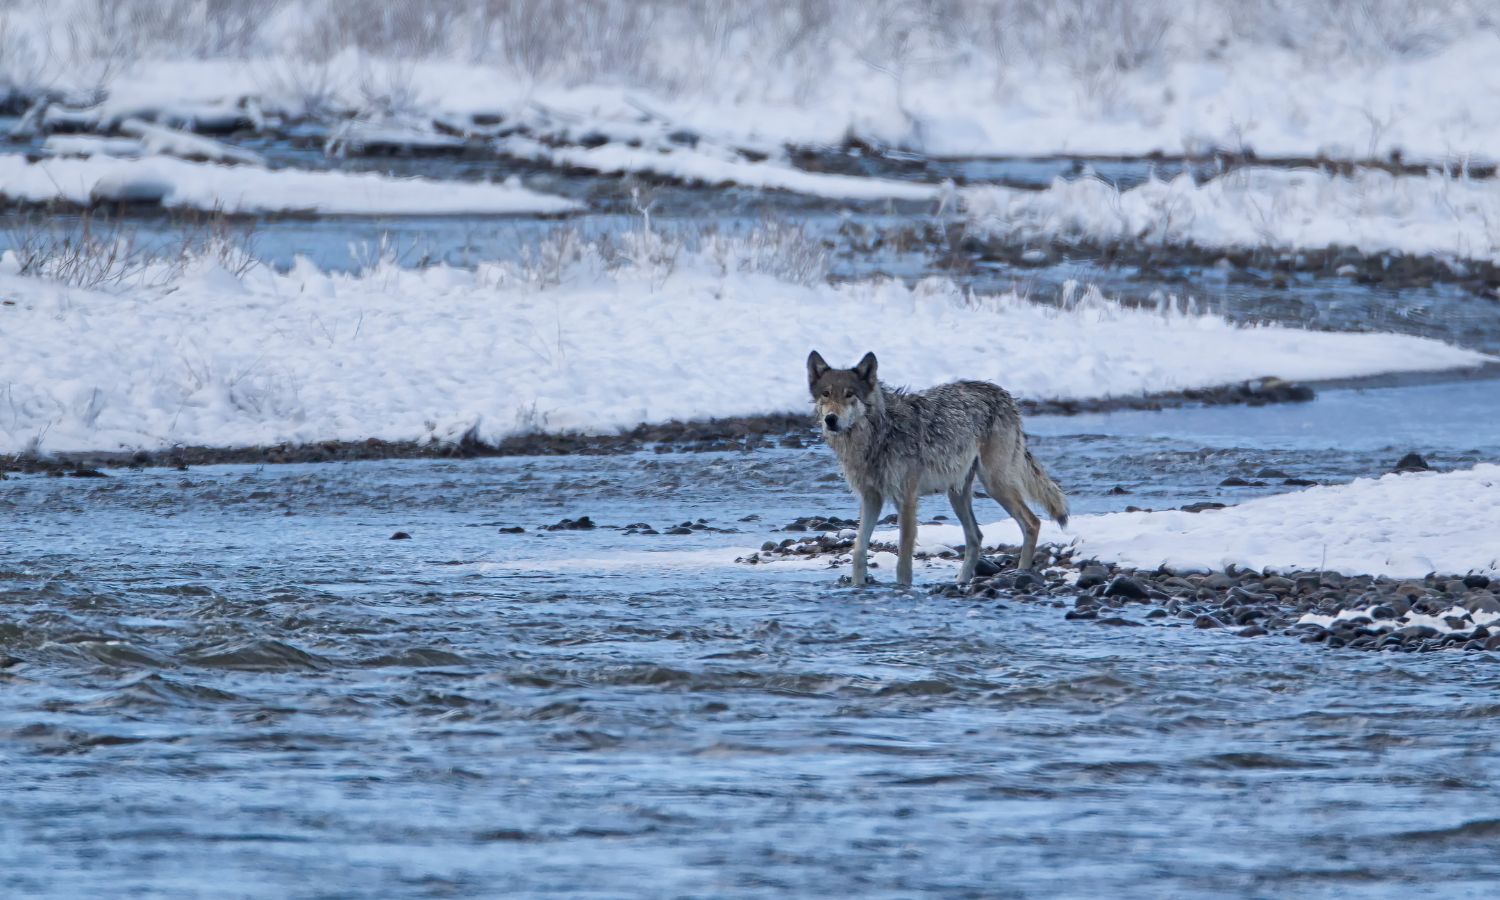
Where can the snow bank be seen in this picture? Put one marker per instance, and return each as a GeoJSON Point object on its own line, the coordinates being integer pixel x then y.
{"type": "Point", "coordinates": [248, 189]}
{"type": "Point", "coordinates": [954, 80]}
{"type": "Point", "coordinates": [1373, 211]}
{"type": "Point", "coordinates": [407, 354]}
{"type": "Point", "coordinates": [1404, 526]}
{"type": "Point", "coordinates": [694, 166]}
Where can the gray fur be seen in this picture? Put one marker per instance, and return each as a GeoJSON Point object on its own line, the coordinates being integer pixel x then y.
{"type": "Point", "coordinates": [897, 445]}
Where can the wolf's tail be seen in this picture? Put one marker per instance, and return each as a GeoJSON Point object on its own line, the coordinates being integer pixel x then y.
{"type": "Point", "coordinates": [1040, 487]}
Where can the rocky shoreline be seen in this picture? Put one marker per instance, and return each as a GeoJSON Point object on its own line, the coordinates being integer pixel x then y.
{"type": "Point", "coordinates": [1355, 612]}
{"type": "Point", "coordinates": [790, 430]}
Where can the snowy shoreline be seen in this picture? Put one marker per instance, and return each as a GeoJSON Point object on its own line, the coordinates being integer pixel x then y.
{"type": "Point", "coordinates": [570, 342]}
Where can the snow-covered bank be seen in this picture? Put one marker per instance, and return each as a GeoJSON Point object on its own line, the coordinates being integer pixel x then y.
{"type": "Point", "coordinates": [1404, 526]}
{"type": "Point", "coordinates": [180, 184]}
{"type": "Point", "coordinates": [696, 167]}
{"type": "Point", "coordinates": [1278, 209]}
{"type": "Point", "coordinates": [400, 354]}
{"type": "Point", "coordinates": [980, 77]}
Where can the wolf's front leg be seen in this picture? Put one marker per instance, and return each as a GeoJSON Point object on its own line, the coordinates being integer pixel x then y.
{"type": "Point", "coordinates": [908, 546]}
{"type": "Point", "coordinates": [869, 513]}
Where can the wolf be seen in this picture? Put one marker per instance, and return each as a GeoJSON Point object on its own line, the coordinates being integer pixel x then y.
{"type": "Point", "coordinates": [897, 445]}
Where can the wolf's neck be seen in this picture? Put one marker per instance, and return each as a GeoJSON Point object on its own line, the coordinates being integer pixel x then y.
{"type": "Point", "coordinates": [868, 433]}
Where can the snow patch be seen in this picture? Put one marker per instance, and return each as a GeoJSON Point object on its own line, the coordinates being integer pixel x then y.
{"type": "Point", "coordinates": [178, 183]}
{"type": "Point", "coordinates": [1373, 211]}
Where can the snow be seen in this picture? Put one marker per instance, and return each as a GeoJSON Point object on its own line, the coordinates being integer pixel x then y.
{"type": "Point", "coordinates": [1258, 207]}
{"type": "Point", "coordinates": [214, 359]}
{"type": "Point", "coordinates": [1242, 96]}
{"type": "Point", "coordinates": [699, 167]}
{"type": "Point", "coordinates": [400, 137]}
{"type": "Point", "coordinates": [182, 144]}
{"type": "Point", "coordinates": [1404, 526]}
{"type": "Point", "coordinates": [145, 139]}
{"type": "Point", "coordinates": [179, 183]}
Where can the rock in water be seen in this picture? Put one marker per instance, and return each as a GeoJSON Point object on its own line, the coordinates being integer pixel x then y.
{"type": "Point", "coordinates": [1089, 576]}
{"type": "Point", "coordinates": [1412, 462]}
{"type": "Point", "coordinates": [1127, 587]}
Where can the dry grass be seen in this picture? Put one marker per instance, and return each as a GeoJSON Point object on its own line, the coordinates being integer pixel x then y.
{"type": "Point", "coordinates": [97, 252]}
{"type": "Point", "coordinates": [693, 44]}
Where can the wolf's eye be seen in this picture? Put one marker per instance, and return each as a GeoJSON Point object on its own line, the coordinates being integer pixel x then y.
{"type": "Point", "coordinates": [827, 393]}
{"type": "Point", "coordinates": [848, 395]}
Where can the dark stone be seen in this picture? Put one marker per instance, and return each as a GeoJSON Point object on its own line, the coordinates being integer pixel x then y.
{"type": "Point", "coordinates": [1119, 620]}
{"type": "Point", "coordinates": [1483, 603]}
{"type": "Point", "coordinates": [1207, 621]}
{"type": "Point", "coordinates": [1026, 581]}
{"type": "Point", "coordinates": [1081, 614]}
{"type": "Point", "coordinates": [984, 567]}
{"type": "Point", "coordinates": [1200, 507]}
{"type": "Point", "coordinates": [1117, 491]}
{"type": "Point", "coordinates": [1476, 581]}
{"type": "Point", "coordinates": [582, 523]}
{"type": "Point", "coordinates": [1412, 462]}
{"type": "Point", "coordinates": [680, 529]}
{"type": "Point", "coordinates": [1127, 587]}
{"type": "Point", "coordinates": [1089, 576]}
{"type": "Point", "coordinates": [1157, 613]}
{"type": "Point", "coordinates": [1252, 631]}
{"type": "Point", "coordinates": [1299, 482]}
{"type": "Point", "coordinates": [86, 472]}
{"type": "Point", "coordinates": [400, 536]}
{"type": "Point", "coordinates": [512, 529]}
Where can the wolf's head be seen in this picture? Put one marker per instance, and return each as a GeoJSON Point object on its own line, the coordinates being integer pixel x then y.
{"type": "Point", "coordinates": [842, 397]}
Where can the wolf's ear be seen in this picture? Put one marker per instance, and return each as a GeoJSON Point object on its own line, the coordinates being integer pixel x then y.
{"type": "Point", "coordinates": [816, 368]}
{"type": "Point", "coordinates": [866, 369]}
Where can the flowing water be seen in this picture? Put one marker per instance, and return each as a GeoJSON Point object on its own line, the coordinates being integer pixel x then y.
{"type": "Point", "coordinates": [231, 681]}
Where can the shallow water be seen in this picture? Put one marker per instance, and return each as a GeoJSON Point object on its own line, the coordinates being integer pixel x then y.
{"type": "Point", "coordinates": [231, 681]}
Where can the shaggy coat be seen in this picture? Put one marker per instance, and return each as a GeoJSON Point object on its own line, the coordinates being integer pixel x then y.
{"type": "Point", "coordinates": [897, 446]}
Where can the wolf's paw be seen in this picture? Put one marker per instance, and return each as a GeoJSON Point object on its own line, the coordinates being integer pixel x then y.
{"type": "Point", "coordinates": [848, 581]}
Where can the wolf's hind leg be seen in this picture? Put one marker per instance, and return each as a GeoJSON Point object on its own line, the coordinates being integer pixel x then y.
{"type": "Point", "coordinates": [869, 513]}
{"type": "Point", "coordinates": [962, 499]}
{"type": "Point", "coordinates": [1011, 501]}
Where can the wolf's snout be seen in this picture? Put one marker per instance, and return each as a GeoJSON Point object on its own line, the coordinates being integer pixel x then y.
{"type": "Point", "coordinates": [831, 421]}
